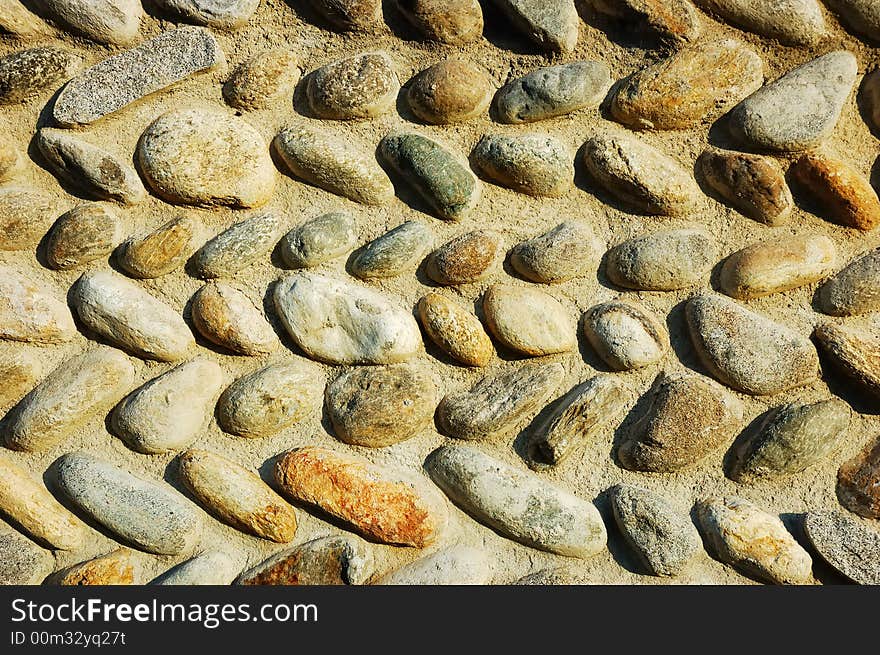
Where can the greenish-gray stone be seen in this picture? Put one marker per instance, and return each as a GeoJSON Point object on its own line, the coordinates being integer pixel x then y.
{"type": "Point", "coordinates": [393, 253]}
{"type": "Point", "coordinates": [535, 164]}
{"type": "Point", "coordinates": [319, 240]}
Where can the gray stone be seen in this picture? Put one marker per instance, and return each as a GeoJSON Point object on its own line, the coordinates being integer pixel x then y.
{"type": "Point", "coordinates": [114, 22]}
{"type": "Point", "coordinates": [238, 246]}
{"type": "Point", "coordinates": [860, 16]}
{"type": "Point", "coordinates": [800, 109]}
{"type": "Point", "coordinates": [319, 240]}
{"type": "Point", "coordinates": [25, 216]}
{"type": "Point", "coordinates": [447, 21]}
{"type": "Point", "coordinates": [149, 515]}
{"type": "Point", "coordinates": [854, 348]}
{"type": "Point", "coordinates": [122, 79]}
{"type": "Point", "coordinates": [673, 20]}
{"type": "Point", "coordinates": [227, 316]}
{"type": "Point", "coordinates": [855, 289]}
{"type": "Point", "coordinates": [791, 22]}
{"type": "Point", "coordinates": [455, 330]}
{"type": "Point", "coordinates": [210, 568]}
{"type": "Point", "coordinates": [664, 539]}
{"type": "Point", "coordinates": [858, 482]}
{"type": "Point", "coordinates": [553, 577]}
{"type": "Point", "coordinates": [22, 562]}
{"type": "Point", "coordinates": [396, 252]}
{"type": "Point", "coordinates": [351, 15]}
{"type": "Point", "coordinates": [552, 24]}
{"type": "Point", "coordinates": [535, 164]}
{"type": "Point", "coordinates": [498, 403]}
{"type": "Point", "coordinates": [358, 87]}
{"type": "Point", "coordinates": [518, 504]}
{"type": "Point", "coordinates": [847, 544]}
{"type": "Point", "coordinates": [625, 336]}
{"type": "Point", "coordinates": [28, 73]}
{"type": "Point", "coordinates": [454, 90]}
{"type": "Point", "coordinates": [219, 14]}
{"type": "Point", "coordinates": [455, 565]}
{"type": "Point", "coordinates": [162, 250]}
{"type": "Point", "coordinates": [665, 260]}
{"type": "Point", "coordinates": [564, 252]}
{"type": "Point", "coordinates": [528, 320]}
{"type": "Point", "coordinates": [168, 412]}
{"type": "Point", "coordinates": [263, 80]}
{"type": "Point", "coordinates": [334, 560]}
{"type": "Point", "coordinates": [84, 234]}
{"type": "Point", "coordinates": [31, 312]}
{"type": "Point", "coordinates": [467, 258]}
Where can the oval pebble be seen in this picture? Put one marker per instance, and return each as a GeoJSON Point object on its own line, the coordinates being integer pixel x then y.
{"type": "Point", "coordinates": [210, 568]}
{"type": "Point", "coordinates": [453, 22]}
{"type": "Point", "coordinates": [673, 20]}
{"type": "Point", "coordinates": [318, 240]}
{"type": "Point", "coordinates": [858, 482]}
{"type": "Point", "coordinates": [529, 321]}
{"type": "Point", "coordinates": [560, 254]}
{"type": "Point", "coordinates": [351, 15]}
{"type": "Point", "coordinates": [20, 373]}
{"type": "Point", "coordinates": [862, 17]}
{"type": "Point", "coordinates": [455, 565]}
{"type": "Point", "coordinates": [358, 87]}
{"type": "Point", "coordinates": [341, 560]}
{"type": "Point", "coordinates": [396, 252]}
{"type": "Point", "coordinates": [28, 73]}
{"type": "Point", "coordinates": [227, 316]}
{"type": "Point", "coordinates": [534, 164]}
{"type": "Point", "coordinates": [467, 258]}
{"type": "Point", "coordinates": [82, 235]}
{"type": "Point", "coordinates": [22, 562]}
{"type": "Point", "coordinates": [665, 260]}
{"type": "Point", "coordinates": [31, 312]}
{"type": "Point", "coordinates": [219, 14]}
{"type": "Point", "coordinates": [553, 24]}
{"type": "Point", "coordinates": [454, 90]}
{"type": "Point", "coordinates": [855, 289]}
{"type": "Point", "coordinates": [25, 216]}
{"type": "Point", "coordinates": [847, 544]}
{"type": "Point", "coordinates": [114, 22]}
{"type": "Point", "coordinates": [625, 336]}
{"type": "Point", "coordinates": [238, 246]}
{"type": "Point", "coordinates": [791, 22]}
{"type": "Point", "coordinates": [854, 348]}
{"type": "Point", "coordinates": [264, 79]}
{"type": "Point", "coordinates": [117, 567]}
{"type": "Point", "coordinates": [16, 19]}
{"type": "Point", "coordinates": [162, 250]}
{"type": "Point", "coordinates": [455, 330]}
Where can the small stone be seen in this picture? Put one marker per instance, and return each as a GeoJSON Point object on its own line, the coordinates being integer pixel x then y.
{"type": "Point", "coordinates": [529, 321]}
{"type": "Point", "coordinates": [359, 87]}
{"type": "Point", "coordinates": [272, 398]}
{"type": "Point", "coordinates": [25, 216]}
{"type": "Point", "coordinates": [553, 91]}
{"type": "Point", "coordinates": [791, 22]}
{"type": "Point", "coordinates": [130, 318]}
{"type": "Point", "coordinates": [387, 505]}
{"type": "Point", "coordinates": [553, 577]}
{"type": "Point", "coordinates": [210, 568]}
{"type": "Point", "coordinates": [625, 336]}
{"type": "Point", "coordinates": [20, 373]}
{"type": "Point", "coordinates": [870, 96]}
{"type": "Point", "coordinates": [12, 161]}
{"type": "Point", "coordinates": [566, 251]}
{"type": "Point", "coordinates": [445, 182]}
{"type": "Point", "coordinates": [319, 240]}
{"type": "Point", "coordinates": [674, 20]}
{"type": "Point", "coordinates": [552, 24]}
{"type": "Point", "coordinates": [237, 496]}
{"type": "Point", "coordinates": [351, 15]}
{"type": "Point", "coordinates": [754, 185]}
{"type": "Point", "coordinates": [455, 330]}
{"type": "Point", "coordinates": [28, 73]}
{"type": "Point", "coordinates": [114, 22]}
{"type": "Point", "coordinates": [455, 565]}
{"type": "Point", "coordinates": [16, 19]}
{"type": "Point", "coordinates": [226, 316]}
{"type": "Point", "coordinates": [122, 79]}
{"type": "Point", "coordinates": [854, 348]}
{"type": "Point", "coordinates": [21, 562]}
{"type": "Point", "coordinates": [168, 412]}
{"type": "Point", "coordinates": [860, 16]}
{"type": "Point", "coordinates": [858, 482]}
{"type": "Point", "coordinates": [855, 289]}
{"type": "Point", "coordinates": [30, 313]}
{"type": "Point", "coordinates": [341, 560]}
{"type": "Point", "coordinates": [518, 504]}
{"type": "Point", "coordinates": [396, 252]}
{"type": "Point", "coordinates": [778, 265]}
{"type": "Point", "coordinates": [79, 389]}
{"type": "Point", "coordinates": [26, 501]}
{"type": "Point", "coordinates": [535, 164]}
{"type": "Point", "coordinates": [149, 515]}
{"type": "Point", "coordinates": [115, 568]}
{"type": "Point", "coordinates": [161, 250]}
{"type": "Point", "coordinates": [219, 14]}
{"type": "Point", "coordinates": [454, 90]}
{"type": "Point", "coordinates": [665, 260]}
{"type": "Point", "coordinates": [753, 541]}
{"type": "Point", "coordinates": [206, 157]}
{"type": "Point", "coordinates": [689, 418]}
{"type": "Point", "coordinates": [579, 416]}
{"type": "Point", "coordinates": [748, 351]}
{"type": "Point", "coordinates": [467, 258]}
{"type": "Point", "coordinates": [377, 407]}
{"type": "Point", "coordinates": [665, 541]}
{"type": "Point", "coordinates": [641, 176]}
{"type": "Point", "coordinates": [334, 163]}
{"type": "Point", "coordinates": [263, 80]}
{"type": "Point", "coordinates": [338, 322]}
{"type": "Point", "coordinates": [792, 438]}
{"type": "Point", "coordinates": [800, 109]}
{"type": "Point", "coordinates": [238, 246]}
{"type": "Point", "coordinates": [496, 404]}
{"type": "Point", "coordinates": [846, 195]}
{"type": "Point", "coordinates": [84, 234]}
{"type": "Point", "coordinates": [453, 22]}
{"type": "Point", "coordinates": [694, 86]}
{"type": "Point", "coordinates": [847, 544]}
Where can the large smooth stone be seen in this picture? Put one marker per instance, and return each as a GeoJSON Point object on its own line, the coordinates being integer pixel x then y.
{"type": "Point", "coordinates": [791, 22]}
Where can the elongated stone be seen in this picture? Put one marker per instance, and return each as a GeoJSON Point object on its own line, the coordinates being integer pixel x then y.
{"type": "Point", "coordinates": [641, 176]}
{"type": "Point", "coordinates": [535, 164]}
{"type": "Point", "coordinates": [117, 567]}
{"type": "Point", "coordinates": [855, 289]}
{"type": "Point", "coordinates": [339, 322]}
{"type": "Point", "coordinates": [80, 388]}
{"type": "Point", "coordinates": [440, 178]}
{"type": "Point", "coordinates": [162, 250]}
{"type": "Point", "coordinates": [792, 438]}
{"type": "Point", "coordinates": [791, 22]}
{"type": "Point", "coordinates": [454, 90]}
{"type": "Point", "coordinates": [12, 161]}
{"type": "Point", "coordinates": [147, 514]}
{"type": "Point", "coordinates": [862, 17]}
{"type": "Point", "coordinates": [456, 565]}
{"type": "Point", "coordinates": [396, 252]}
{"type": "Point", "coordinates": [674, 20]}
{"type": "Point", "coordinates": [28, 73]}
{"type": "Point", "coordinates": [581, 415]}
{"type": "Point", "coordinates": [339, 165]}
{"type": "Point", "coordinates": [84, 234]}
{"type": "Point", "coordinates": [114, 22]}
{"type": "Point", "coordinates": [553, 91]}
{"type": "Point", "coordinates": [626, 336]}
{"type": "Point", "coordinates": [226, 316]}
{"type": "Point", "coordinates": [351, 15]}
{"type": "Point", "coordinates": [376, 407]}
{"type": "Point", "coordinates": [800, 109]}
{"type": "Point", "coordinates": [263, 80]}
{"type": "Point", "coordinates": [562, 253]}
{"type": "Point", "coordinates": [35, 511]}
{"type": "Point", "coordinates": [696, 85]}
{"type": "Point", "coordinates": [748, 351]}
{"type": "Point", "coordinates": [529, 320]}
{"type": "Point", "coordinates": [689, 418]}
{"type": "Point", "coordinates": [319, 240]}
{"type": "Point", "coordinates": [518, 504]}
{"type": "Point", "coordinates": [665, 260]}
{"type": "Point", "coordinates": [390, 506]}
{"type": "Point", "coordinates": [336, 560]}
{"type": "Point", "coordinates": [25, 216]}
{"type": "Point", "coordinates": [753, 541]}
{"type": "Point", "coordinates": [270, 399]}
{"type": "Point", "coordinates": [31, 313]}
{"type": "Point", "coordinates": [498, 403]}
{"type": "Point", "coordinates": [238, 246]}
{"type": "Point", "coordinates": [455, 330]}
{"type": "Point", "coordinates": [20, 372]}
{"type": "Point", "coordinates": [361, 86]}
{"type": "Point", "coordinates": [448, 21]}
{"type": "Point", "coordinates": [854, 348]}
{"type": "Point", "coordinates": [552, 24]}
{"type": "Point", "coordinates": [781, 264]}
{"type": "Point", "coordinates": [869, 95]}
{"type": "Point", "coordinates": [845, 543]}
{"type": "Point", "coordinates": [664, 540]}
{"type": "Point", "coordinates": [168, 412]}
{"type": "Point", "coordinates": [237, 496]}
{"type": "Point", "coordinates": [116, 82]}
{"type": "Point", "coordinates": [22, 562]}
{"type": "Point", "coordinates": [130, 318]}
{"type": "Point", "coordinates": [16, 19]}
{"type": "Point", "coordinates": [469, 257]}
{"type": "Point", "coordinates": [219, 14]}
{"type": "Point", "coordinates": [858, 482]}
{"type": "Point", "coordinates": [209, 568]}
